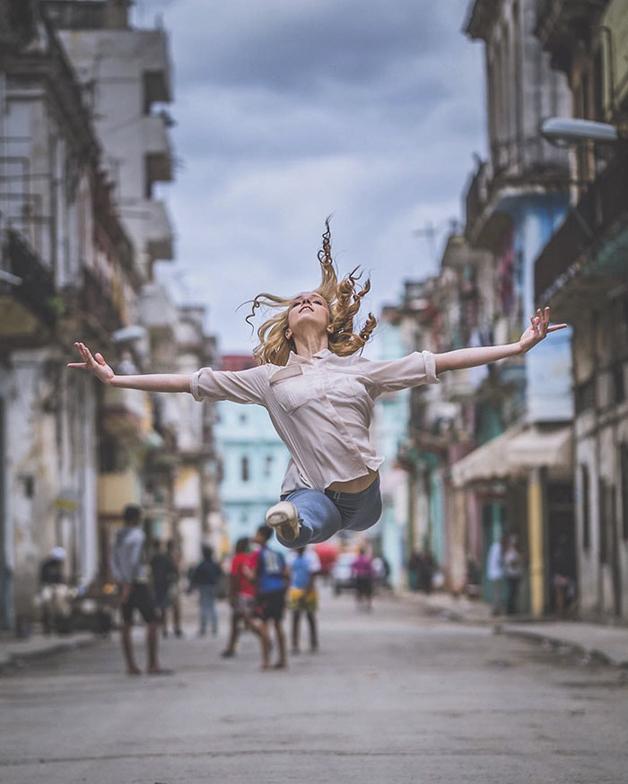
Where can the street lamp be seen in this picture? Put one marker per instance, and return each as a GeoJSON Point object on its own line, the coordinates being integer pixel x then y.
{"type": "Point", "coordinates": [563, 131]}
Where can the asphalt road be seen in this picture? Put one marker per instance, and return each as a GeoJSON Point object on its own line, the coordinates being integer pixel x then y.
{"type": "Point", "coordinates": [392, 697]}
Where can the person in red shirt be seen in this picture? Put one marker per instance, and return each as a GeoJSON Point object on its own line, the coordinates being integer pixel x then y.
{"type": "Point", "coordinates": [242, 599]}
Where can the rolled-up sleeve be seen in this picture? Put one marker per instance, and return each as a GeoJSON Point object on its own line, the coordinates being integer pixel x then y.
{"type": "Point", "coordinates": [239, 386]}
{"type": "Point", "coordinates": [391, 375]}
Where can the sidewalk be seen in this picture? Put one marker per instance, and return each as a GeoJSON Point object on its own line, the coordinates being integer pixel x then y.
{"type": "Point", "coordinates": [607, 644]}
{"type": "Point", "coordinates": [13, 651]}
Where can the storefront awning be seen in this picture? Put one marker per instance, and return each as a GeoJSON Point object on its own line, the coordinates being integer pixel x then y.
{"type": "Point", "coordinates": [515, 451]}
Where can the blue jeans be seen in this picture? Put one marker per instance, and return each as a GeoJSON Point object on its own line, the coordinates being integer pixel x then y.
{"type": "Point", "coordinates": [323, 513]}
{"type": "Point", "coordinates": [207, 608]}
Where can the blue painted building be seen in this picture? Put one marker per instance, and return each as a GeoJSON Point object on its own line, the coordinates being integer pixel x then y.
{"type": "Point", "coordinates": [390, 431]}
{"type": "Point", "coordinates": [519, 481]}
{"type": "Point", "coordinates": [253, 460]}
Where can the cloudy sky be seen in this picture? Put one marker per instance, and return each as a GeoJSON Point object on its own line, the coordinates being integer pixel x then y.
{"type": "Point", "coordinates": [289, 110]}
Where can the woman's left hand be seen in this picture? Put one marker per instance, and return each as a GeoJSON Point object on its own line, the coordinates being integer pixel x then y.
{"type": "Point", "coordinates": [538, 329]}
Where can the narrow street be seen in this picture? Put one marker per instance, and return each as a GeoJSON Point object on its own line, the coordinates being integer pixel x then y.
{"type": "Point", "coordinates": [392, 696]}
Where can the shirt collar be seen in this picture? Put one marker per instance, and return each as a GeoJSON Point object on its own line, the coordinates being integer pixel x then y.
{"type": "Point", "coordinates": [296, 359]}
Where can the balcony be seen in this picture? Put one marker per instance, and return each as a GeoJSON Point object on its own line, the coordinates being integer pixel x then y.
{"type": "Point", "coordinates": [126, 414]}
{"type": "Point", "coordinates": [98, 304]}
{"type": "Point", "coordinates": [559, 27]}
{"type": "Point", "coordinates": [158, 313]}
{"type": "Point", "coordinates": [517, 168]}
{"type": "Point", "coordinates": [156, 67]}
{"type": "Point", "coordinates": [159, 240]}
{"type": "Point", "coordinates": [589, 249]}
{"type": "Point", "coordinates": [30, 308]}
{"type": "Point", "coordinates": [157, 149]}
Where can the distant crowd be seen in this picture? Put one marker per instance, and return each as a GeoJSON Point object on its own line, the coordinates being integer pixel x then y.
{"type": "Point", "coordinates": [259, 582]}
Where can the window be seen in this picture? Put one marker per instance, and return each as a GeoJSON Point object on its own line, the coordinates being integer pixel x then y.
{"type": "Point", "coordinates": [586, 513]}
{"type": "Point", "coordinates": [623, 467]}
{"type": "Point", "coordinates": [242, 419]}
{"type": "Point", "coordinates": [268, 466]}
{"type": "Point", "coordinates": [603, 519]}
{"type": "Point", "coordinates": [244, 469]}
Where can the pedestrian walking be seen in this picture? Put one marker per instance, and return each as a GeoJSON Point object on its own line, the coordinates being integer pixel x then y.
{"type": "Point", "coordinates": [242, 598]}
{"type": "Point", "coordinates": [563, 579]}
{"type": "Point", "coordinates": [271, 575]}
{"type": "Point", "coordinates": [205, 578]}
{"type": "Point", "coordinates": [362, 571]}
{"type": "Point", "coordinates": [174, 590]}
{"type": "Point", "coordinates": [495, 573]}
{"type": "Point", "coordinates": [413, 568]}
{"type": "Point", "coordinates": [129, 569]}
{"type": "Point", "coordinates": [513, 572]}
{"type": "Point", "coordinates": [303, 596]}
{"type": "Point", "coordinates": [319, 392]}
{"type": "Point", "coordinates": [163, 574]}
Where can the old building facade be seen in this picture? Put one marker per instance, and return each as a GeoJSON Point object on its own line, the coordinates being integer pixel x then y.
{"type": "Point", "coordinates": [82, 149]}
{"type": "Point", "coordinates": [583, 273]}
{"type": "Point", "coordinates": [69, 269]}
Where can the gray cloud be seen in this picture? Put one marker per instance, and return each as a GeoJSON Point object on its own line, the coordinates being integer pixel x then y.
{"type": "Point", "coordinates": [289, 111]}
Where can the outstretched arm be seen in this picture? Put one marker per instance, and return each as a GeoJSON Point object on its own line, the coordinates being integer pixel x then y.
{"type": "Point", "coordinates": [483, 355]}
{"type": "Point", "coordinates": [155, 382]}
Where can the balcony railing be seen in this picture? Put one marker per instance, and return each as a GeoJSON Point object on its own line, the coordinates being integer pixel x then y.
{"type": "Point", "coordinates": [98, 303]}
{"type": "Point", "coordinates": [515, 164]}
{"type": "Point", "coordinates": [158, 150]}
{"type": "Point", "coordinates": [604, 203]}
{"type": "Point", "coordinates": [158, 231]}
{"type": "Point", "coordinates": [36, 292]}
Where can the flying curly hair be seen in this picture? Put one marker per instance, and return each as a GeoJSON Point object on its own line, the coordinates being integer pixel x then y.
{"type": "Point", "coordinates": [343, 300]}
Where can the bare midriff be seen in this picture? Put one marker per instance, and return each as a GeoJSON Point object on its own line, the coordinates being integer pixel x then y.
{"type": "Point", "coordinates": [354, 485]}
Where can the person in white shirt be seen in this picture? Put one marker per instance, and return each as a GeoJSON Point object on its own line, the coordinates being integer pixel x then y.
{"type": "Point", "coordinates": [319, 393]}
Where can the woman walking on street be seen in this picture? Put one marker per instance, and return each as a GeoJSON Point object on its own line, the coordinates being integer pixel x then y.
{"type": "Point", "coordinates": [362, 571]}
{"type": "Point", "coordinates": [319, 392]}
{"type": "Point", "coordinates": [513, 572]}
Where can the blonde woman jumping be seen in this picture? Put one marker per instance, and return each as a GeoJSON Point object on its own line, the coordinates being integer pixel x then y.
{"type": "Point", "coordinates": [319, 393]}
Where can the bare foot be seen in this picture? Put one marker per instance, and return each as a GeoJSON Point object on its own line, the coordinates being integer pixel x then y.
{"type": "Point", "coordinates": [159, 671]}
{"type": "Point", "coordinates": [281, 665]}
{"type": "Point", "coordinates": [133, 671]}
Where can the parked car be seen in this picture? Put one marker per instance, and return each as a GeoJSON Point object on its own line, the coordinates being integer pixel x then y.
{"type": "Point", "coordinates": [342, 573]}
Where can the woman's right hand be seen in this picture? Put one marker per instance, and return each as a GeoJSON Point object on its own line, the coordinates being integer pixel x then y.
{"type": "Point", "coordinates": [96, 365]}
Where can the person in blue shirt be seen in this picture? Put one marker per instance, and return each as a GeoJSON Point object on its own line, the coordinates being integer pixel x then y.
{"type": "Point", "coordinates": [271, 579]}
{"type": "Point", "coordinates": [303, 596]}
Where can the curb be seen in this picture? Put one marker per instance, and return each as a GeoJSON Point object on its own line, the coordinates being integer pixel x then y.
{"type": "Point", "coordinates": [593, 655]}
{"type": "Point", "coordinates": [16, 660]}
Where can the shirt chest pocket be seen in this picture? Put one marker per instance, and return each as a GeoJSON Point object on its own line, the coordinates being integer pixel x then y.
{"type": "Point", "coordinates": [293, 390]}
{"type": "Point", "coordinates": [346, 388]}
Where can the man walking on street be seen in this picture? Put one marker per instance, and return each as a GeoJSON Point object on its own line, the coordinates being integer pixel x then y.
{"type": "Point", "coordinates": [130, 572]}
{"type": "Point", "coordinates": [205, 578]}
{"type": "Point", "coordinates": [164, 573]}
{"type": "Point", "coordinates": [303, 597]}
{"type": "Point", "coordinates": [272, 582]}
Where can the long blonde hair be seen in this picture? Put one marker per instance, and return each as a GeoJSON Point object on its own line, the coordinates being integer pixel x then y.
{"type": "Point", "coordinates": [343, 300]}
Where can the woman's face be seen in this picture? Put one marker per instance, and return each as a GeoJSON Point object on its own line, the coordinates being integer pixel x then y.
{"type": "Point", "coordinates": [308, 310]}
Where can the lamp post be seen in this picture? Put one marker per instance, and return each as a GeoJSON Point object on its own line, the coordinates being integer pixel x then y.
{"type": "Point", "coordinates": [564, 131]}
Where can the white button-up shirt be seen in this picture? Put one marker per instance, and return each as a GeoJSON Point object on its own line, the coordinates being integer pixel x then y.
{"type": "Point", "coordinates": [321, 408]}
